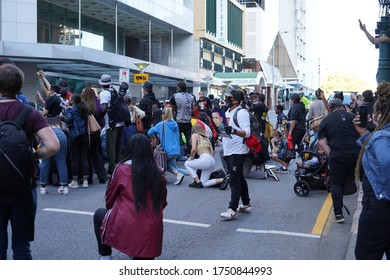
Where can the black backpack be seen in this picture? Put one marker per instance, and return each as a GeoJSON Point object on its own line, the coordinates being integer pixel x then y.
{"type": "Point", "coordinates": [118, 111]}
{"type": "Point", "coordinates": [16, 160]}
{"type": "Point", "coordinates": [254, 140]}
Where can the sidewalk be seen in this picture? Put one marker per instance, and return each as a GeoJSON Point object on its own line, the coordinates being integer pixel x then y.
{"type": "Point", "coordinates": [350, 254]}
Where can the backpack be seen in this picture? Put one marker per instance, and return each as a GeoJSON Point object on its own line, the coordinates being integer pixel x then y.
{"type": "Point", "coordinates": [254, 140]}
{"type": "Point", "coordinates": [118, 111]}
{"type": "Point", "coordinates": [16, 160]}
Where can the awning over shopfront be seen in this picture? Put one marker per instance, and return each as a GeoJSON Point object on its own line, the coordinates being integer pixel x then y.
{"type": "Point", "coordinates": [242, 79]}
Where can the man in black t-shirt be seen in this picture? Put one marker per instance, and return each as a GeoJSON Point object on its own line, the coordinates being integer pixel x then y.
{"type": "Point", "coordinates": [54, 105]}
{"type": "Point", "coordinates": [337, 137]}
{"type": "Point", "coordinates": [297, 118]}
{"type": "Point", "coordinates": [204, 103]}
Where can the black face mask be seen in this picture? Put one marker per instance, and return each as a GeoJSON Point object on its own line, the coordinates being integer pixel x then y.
{"type": "Point", "coordinates": [229, 103]}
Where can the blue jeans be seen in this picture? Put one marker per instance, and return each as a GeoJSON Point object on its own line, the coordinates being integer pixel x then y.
{"type": "Point", "coordinates": [172, 165]}
{"type": "Point", "coordinates": [60, 160]}
{"type": "Point", "coordinates": [15, 209]}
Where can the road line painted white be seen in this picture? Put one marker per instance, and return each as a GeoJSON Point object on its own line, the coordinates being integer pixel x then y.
{"type": "Point", "coordinates": [91, 214]}
{"type": "Point", "coordinates": [68, 211]}
{"type": "Point", "coordinates": [279, 232]}
{"type": "Point", "coordinates": [186, 223]}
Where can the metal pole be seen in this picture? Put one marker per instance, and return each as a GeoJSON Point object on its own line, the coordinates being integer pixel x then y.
{"type": "Point", "coordinates": [116, 27]}
{"type": "Point", "coordinates": [150, 39]}
{"type": "Point", "coordinates": [273, 71]}
{"type": "Point", "coordinates": [80, 23]}
{"type": "Point", "coordinates": [171, 47]}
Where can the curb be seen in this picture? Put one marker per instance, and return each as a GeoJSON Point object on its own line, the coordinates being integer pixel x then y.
{"type": "Point", "coordinates": [350, 255]}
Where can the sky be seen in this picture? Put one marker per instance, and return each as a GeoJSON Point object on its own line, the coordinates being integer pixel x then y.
{"type": "Point", "coordinates": [343, 45]}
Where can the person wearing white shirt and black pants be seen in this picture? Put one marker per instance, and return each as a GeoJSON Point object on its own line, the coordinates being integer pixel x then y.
{"type": "Point", "coordinates": [235, 152]}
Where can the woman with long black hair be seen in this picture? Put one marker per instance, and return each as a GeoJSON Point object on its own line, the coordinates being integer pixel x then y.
{"type": "Point", "coordinates": [135, 199]}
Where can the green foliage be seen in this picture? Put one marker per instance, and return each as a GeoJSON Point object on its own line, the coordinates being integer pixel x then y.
{"type": "Point", "coordinates": [342, 81]}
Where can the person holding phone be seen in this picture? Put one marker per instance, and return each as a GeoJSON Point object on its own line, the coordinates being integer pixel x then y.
{"type": "Point", "coordinates": [337, 137]}
{"type": "Point", "coordinates": [372, 169]}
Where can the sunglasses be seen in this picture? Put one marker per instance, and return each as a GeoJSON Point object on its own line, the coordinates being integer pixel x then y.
{"type": "Point", "coordinates": [229, 98]}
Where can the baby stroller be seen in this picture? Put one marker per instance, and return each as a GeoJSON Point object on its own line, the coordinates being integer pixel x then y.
{"type": "Point", "coordinates": [312, 174]}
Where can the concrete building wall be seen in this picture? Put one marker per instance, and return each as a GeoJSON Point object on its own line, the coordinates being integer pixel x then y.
{"type": "Point", "coordinates": [18, 21]}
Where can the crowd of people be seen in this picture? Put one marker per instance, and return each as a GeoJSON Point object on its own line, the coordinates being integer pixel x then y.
{"type": "Point", "coordinates": [189, 130]}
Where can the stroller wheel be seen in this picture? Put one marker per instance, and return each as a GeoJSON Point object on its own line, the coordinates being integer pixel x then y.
{"type": "Point", "coordinates": [302, 188]}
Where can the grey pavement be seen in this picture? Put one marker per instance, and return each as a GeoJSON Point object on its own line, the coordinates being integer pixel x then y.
{"type": "Point", "coordinates": [350, 254]}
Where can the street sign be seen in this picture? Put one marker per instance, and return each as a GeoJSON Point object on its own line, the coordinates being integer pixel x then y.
{"type": "Point", "coordinates": [124, 75]}
{"type": "Point", "coordinates": [140, 78]}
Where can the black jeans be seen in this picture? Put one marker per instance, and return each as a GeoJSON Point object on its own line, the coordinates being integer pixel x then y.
{"type": "Point", "coordinates": [340, 168]}
{"type": "Point", "coordinates": [186, 129]}
{"type": "Point", "coordinates": [238, 184]}
{"type": "Point", "coordinates": [298, 135]}
{"type": "Point", "coordinates": [373, 237]}
{"type": "Point", "coordinates": [104, 250]}
{"type": "Point", "coordinates": [15, 209]}
{"type": "Point", "coordinates": [95, 158]}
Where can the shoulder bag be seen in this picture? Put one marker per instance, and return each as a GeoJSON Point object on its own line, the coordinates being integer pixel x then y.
{"type": "Point", "coordinates": [160, 154]}
{"type": "Point", "coordinates": [138, 122]}
{"type": "Point", "coordinates": [269, 129]}
{"type": "Point", "coordinates": [93, 127]}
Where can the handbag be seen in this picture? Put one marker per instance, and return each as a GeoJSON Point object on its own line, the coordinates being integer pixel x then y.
{"type": "Point", "coordinates": [138, 122]}
{"type": "Point", "coordinates": [93, 125]}
{"type": "Point", "coordinates": [269, 129]}
{"type": "Point", "coordinates": [315, 123]}
{"type": "Point", "coordinates": [160, 154]}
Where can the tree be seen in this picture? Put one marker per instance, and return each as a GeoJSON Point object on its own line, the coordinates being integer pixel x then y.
{"type": "Point", "coordinates": [344, 82]}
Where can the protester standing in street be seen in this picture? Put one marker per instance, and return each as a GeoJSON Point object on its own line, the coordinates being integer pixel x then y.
{"type": "Point", "coordinates": [373, 238]}
{"type": "Point", "coordinates": [235, 152]}
{"type": "Point", "coordinates": [18, 208]}
{"type": "Point", "coordinates": [337, 137]}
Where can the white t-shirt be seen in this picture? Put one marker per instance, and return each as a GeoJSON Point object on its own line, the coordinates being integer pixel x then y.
{"type": "Point", "coordinates": [105, 97]}
{"type": "Point", "coordinates": [236, 145]}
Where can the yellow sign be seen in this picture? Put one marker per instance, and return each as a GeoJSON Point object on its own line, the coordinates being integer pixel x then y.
{"type": "Point", "coordinates": [140, 78]}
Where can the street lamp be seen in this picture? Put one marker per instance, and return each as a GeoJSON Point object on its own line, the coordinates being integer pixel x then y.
{"type": "Point", "coordinates": [141, 67]}
{"type": "Point", "coordinates": [383, 27]}
{"type": "Point", "coordinates": [273, 63]}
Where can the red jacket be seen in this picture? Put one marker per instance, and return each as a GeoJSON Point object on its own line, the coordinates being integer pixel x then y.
{"type": "Point", "coordinates": [139, 235]}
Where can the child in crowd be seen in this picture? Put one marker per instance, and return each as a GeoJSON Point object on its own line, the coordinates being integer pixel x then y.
{"type": "Point", "coordinates": [315, 160]}
{"type": "Point", "coordinates": [279, 147]}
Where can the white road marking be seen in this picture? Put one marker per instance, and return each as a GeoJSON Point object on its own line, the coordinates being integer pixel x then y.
{"type": "Point", "coordinates": [186, 223]}
{"type": "Point", "coordinates": [278, 232]}
{"type": "Point", "coordinates": [68, 211]}
{"type": "Point", "coordinates": [91, 214]}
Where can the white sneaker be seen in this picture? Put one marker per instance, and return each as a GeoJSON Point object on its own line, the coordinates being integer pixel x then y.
{"type": "Point", "coordinates": [85, 183]}
{"type": "Point", "coordinates": [63, 190]}
{"type": "Point", "coordinates": [105, 258]}
{"type": "Point", "coordinates": [245, 208]}
{"type": "Point", "coordinates": [43, 191]}
{"type": "Point", "coordinates": [230, 214]}
{"type": "Point", "coordinates": [179, 178]}
{"type": "Point", "coordinates": [73, 184]}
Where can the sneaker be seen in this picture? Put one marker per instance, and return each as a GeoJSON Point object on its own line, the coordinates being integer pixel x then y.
{"type": "Point", "coordinates": [43, 191]}
{"type": "Point", "coordinates": [224, 183]}
{"type": "Point", "coordinates": [282, 170]}
{"type": "Point", "coordinates": [85, 183]}
{"type": "Point", "coordinates": [179, 178]}
{"type": "Point", "coordinates": [271, 174]}
{"type": "Point", "coordinates": [245, 208]}
{"type": "Point", "coordinates": [196, 185]}
{"type": "Point", "coordinates": [339, 218]}
{"type": "Point", "coordinates": [230, 214]}
{"type": "Point", "coordinates": [63, 190]}
{"type": "Point", "coordinates": [73, 184]}
{"type": "Point", "coordinates": [105, 258]}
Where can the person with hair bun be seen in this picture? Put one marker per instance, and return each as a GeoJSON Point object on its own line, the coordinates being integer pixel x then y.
{"type": "Point", "coordinates": [373, 165]}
